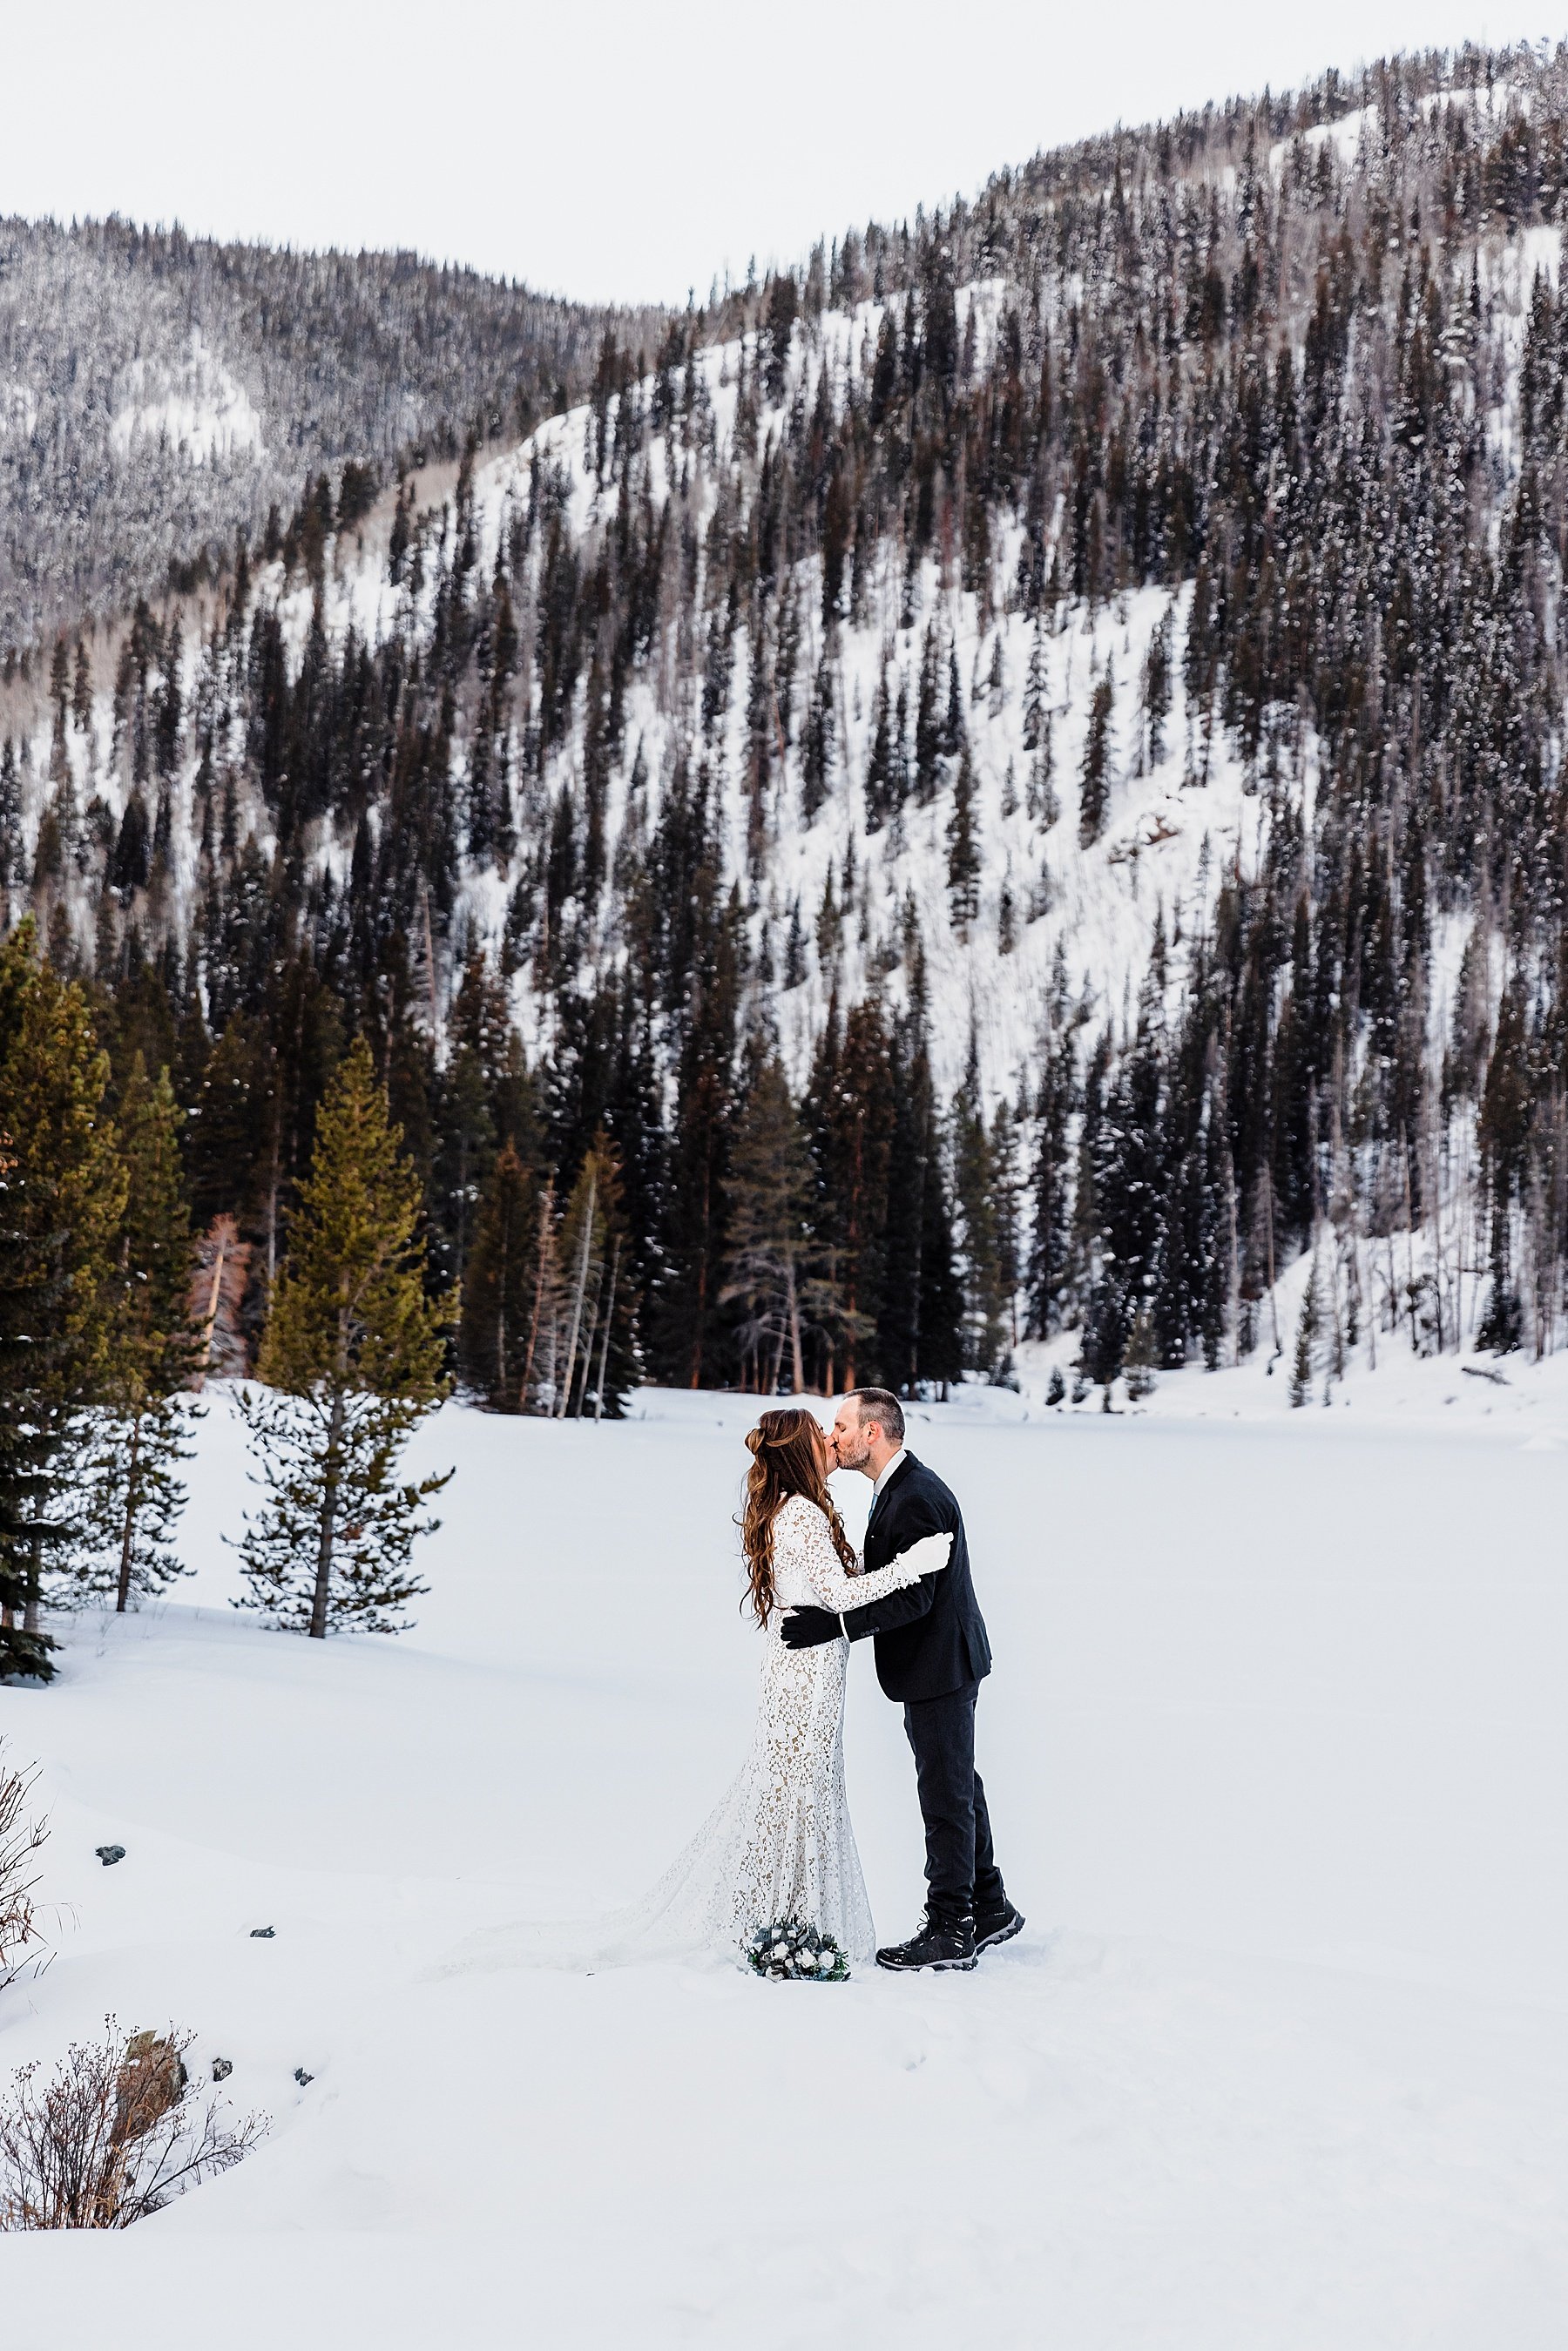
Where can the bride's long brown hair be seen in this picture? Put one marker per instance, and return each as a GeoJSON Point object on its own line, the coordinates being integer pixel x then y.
{"type": "Point", "coordinates": [786, 1459]}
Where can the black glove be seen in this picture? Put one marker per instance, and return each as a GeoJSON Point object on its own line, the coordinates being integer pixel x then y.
{"type": "Point", "coordinates": [807, 1628]}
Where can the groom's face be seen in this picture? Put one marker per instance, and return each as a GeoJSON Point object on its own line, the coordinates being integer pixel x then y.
{"type": "Point", "coordinates": [849, 1443]}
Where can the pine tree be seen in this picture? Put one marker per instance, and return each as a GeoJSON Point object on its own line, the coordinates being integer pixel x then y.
{"type": "Point", "coordinates": [598, 1358]}
{"type": "Point", "coordinates": [927, 722]}
{"type": "Point", "coordinates": [1306, 1338]}
{"type": "Point", "coordinates": [1034, 712]}
{"type": "Point", "coordinates": [694, 1238]}
{"type": "Point", "coordinates": [963, 849]}
{"type": "Point", "coordinates": [1157, 691]}
{"type": "Point", "coordinates": [69, 1185]}
{"type": "Point", "coordinates": [976, 1188]}
{"type": "Point", "coordinates": [817, 748]}
{"type": "Point", "coordinates": [352, 1363]}
{"type": "Point", "coordinates": [498, 1285]}
{"type": "Point", "coordinates": [24, 1484]}
{"type": "Point", "coordinates": [13, 860]}
{"type": "Point", "coordinates": [1503, 1130]}
{"type": "Point", "coordinates": [848, 1116]}
{"type": "Point", "coordinates": [538, 1384]}
{"type": "Point", "coordinates": [770, 1181]}
{"type": "Point", "coordinates": [1049, 1257]}
{"type": "Point", "coordinates": [137, 1494]}
{"type": "Point", "coordinates": [1094, 778]}
{"type": "Point", "coordinates": [1139, 1363]}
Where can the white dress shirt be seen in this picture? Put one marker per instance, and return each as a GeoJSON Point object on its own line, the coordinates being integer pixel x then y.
{"type": "Point", "coordinates": [889, 1467]}
{"type": "Point", "coordinates": [893, 1463]}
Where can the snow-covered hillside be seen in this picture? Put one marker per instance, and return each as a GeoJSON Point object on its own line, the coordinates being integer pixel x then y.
{"type": "Point", "coordinates": [1043, 727]}
{"type": "Point", "coordinates": [159, 390]}
{"type": "Point", "coordinates": [1273, 1745]}
{"type": "Point", "coordinates": [1047, 906]}
{"type": "Point", "coordinates": [1052, 913]}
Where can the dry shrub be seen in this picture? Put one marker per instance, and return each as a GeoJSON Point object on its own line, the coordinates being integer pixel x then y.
{"type": "Point", "coordinates": [21, 1839]}
{"type": "Point", "coordinates": [116, 2133]}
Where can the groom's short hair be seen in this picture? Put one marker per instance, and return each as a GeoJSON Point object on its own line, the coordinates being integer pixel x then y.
{"type": "Point", "coordinates": [883, 1406]}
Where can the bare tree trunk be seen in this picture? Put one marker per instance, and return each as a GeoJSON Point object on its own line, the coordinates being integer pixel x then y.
{"type": "Point", "coordinates": [430, 964]}
{"type": "Point", "coordinates": [604, 1348]}
{"type": "Point", "coordinates": [329, 1516]}
{"type": "Point", "coordinates": [274, 1162]}
{"type": "Point", "coordinates": [577, 1298]}
{"type": "Point", "coordinates": [701, 1331]}
{"type": "Point", "coordinates": [546, 1209]}
{"type": "Point", "coordinates": [1268, 1229]}
{"type": "Point", "coordinates": [591, 1334]}
{"type": "Point", "coordinates": [499, 1387]}
{"type": "Point", "coordinates": [797, 1364]}
{"type": "Point", "coordinates": [1409, 1243]}
{"type": "Point", "coordinates": [1234, 1300]}
{"type": "Point", "coordinates": [133, 1468]}
{"type": "Point", "coordinates": [272, 1183]}
{"type": "Point", "coordinates": [212, 1297]}
{"type": "Point", "coordinates": [1371, 1302]}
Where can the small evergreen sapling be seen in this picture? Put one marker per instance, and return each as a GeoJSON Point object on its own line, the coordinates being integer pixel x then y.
{"type": "Point", "coordinates": [352, 1362]}
{"type": "Point", "coordinates": [1306, 1339]}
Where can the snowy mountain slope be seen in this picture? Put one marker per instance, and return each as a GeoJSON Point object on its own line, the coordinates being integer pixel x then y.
{"type": "Point", "coordinates": [1175, 828]}
{"type": "Point", "coordinates": [157, 392]}
{"type": "Point", "coordinates": [1172, 832]}
{"type": "Point", "coordinates": [1105, 636]}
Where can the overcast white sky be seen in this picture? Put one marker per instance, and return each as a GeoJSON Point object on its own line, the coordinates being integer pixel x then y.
{"type": "Point", "coordinates": [606, 151]}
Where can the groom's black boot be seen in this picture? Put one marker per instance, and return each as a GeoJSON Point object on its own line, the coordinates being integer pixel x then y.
{"type": "Point", "coordinates": [940, 1943]}
{"type": "Point", "coordinates": [997, 1926]}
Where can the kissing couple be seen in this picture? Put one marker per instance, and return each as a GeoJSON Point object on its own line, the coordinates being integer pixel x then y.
{"type": "Point", "coordinates": [779, 1849]}
{"type": "Point", "coordinates": [813, 1596]}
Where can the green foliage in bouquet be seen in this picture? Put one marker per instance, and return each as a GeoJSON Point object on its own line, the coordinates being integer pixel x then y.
{"type": "Point", "coordinates": [787, 1952]}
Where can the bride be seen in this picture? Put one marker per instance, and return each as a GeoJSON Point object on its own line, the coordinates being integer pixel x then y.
{"type": "Point", "coordinates": [778, 1844]}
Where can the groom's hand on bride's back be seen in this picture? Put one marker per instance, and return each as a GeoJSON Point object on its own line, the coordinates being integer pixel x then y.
{"type": "Point", "coordinates": [807, 1628]}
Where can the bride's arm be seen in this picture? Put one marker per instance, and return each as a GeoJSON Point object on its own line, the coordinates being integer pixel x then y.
{"type": "Point", "coordinates": [837, 1591]}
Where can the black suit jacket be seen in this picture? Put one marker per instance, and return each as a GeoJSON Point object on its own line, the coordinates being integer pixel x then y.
{"type": "Point", "coordinates": [930, 1639]}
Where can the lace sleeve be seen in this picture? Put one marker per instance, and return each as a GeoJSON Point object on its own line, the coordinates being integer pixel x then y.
{"type": "Point", "coordinates": [813, 1547]}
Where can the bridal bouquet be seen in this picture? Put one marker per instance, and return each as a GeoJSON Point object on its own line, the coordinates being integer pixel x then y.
{"type": "Point", "coordinates": [787, 1952]}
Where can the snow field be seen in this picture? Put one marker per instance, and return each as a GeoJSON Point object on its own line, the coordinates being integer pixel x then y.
{"type": "Point", "coordinates": [1275, 1750]}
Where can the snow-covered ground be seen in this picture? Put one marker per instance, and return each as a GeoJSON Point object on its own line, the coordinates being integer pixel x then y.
{"type": "Point", "coordinates": [1276, 1748]}
{"type": "Point", "coordinates": [1385, 1385]}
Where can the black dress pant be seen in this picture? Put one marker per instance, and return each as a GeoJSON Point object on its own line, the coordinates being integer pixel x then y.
{"type": "Point", "coordinates": [961, 1873]}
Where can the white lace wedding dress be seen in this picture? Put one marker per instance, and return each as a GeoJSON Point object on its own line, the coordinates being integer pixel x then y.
{"type": "Point", "coordinates": [778, 1844]}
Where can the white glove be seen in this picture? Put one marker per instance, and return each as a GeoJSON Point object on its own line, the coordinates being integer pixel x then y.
{"type": "Point", "coordinates": [931, 1552]}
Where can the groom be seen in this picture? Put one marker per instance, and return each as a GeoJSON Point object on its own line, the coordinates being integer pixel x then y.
{"type": "Point", "coordinates": [932, 1655]}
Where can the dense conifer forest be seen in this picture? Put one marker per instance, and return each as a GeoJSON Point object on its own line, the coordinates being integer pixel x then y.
{"type": "Point", "coordinates": [159, 391]}
{"type": "Point", "coordinates": [1009, 779]}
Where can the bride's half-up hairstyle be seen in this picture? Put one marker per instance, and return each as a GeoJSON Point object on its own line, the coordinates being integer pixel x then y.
{"type": "Point", "coordinates": [786, 1459]}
